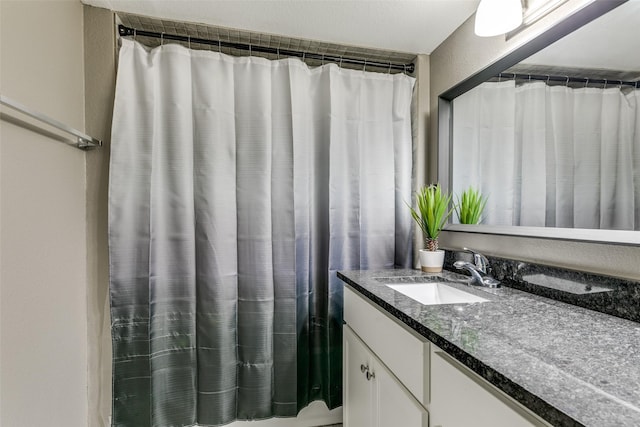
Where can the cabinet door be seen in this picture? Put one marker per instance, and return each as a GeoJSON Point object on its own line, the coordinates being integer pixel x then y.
{"type": "Point", "coordinates": [377, 399]}
{"type": "Point", "coordinates": [460, 398]}
{"type": "Point", "coordinates": [357, 391]}
{"type": "Point", "coordinates": [394, 405]}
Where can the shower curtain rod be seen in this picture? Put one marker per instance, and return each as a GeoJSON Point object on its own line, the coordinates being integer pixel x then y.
{"type": "Point", "coordinates": [83, 140]}
{"type": "Point", "coordinates": [567, 79]}
{"type": "Point", "coordinates": [406, 68]}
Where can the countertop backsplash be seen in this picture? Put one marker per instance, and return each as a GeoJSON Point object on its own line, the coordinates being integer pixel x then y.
{"type": "Point", "coordinates": [610, 295]}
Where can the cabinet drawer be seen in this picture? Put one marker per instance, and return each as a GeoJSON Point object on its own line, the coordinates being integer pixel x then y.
{"type": "Point", "coordinates": [459, 397]}
{"type": "Point", "coordinates": [405, 354]}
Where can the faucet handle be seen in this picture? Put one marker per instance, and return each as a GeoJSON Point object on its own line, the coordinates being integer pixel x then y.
{"type": "Point", "coordinates": [461, 264]}
{"type": "Point", "coordinates": [481, 261]}
{"type": "Point", "coordinates": [476, 277]}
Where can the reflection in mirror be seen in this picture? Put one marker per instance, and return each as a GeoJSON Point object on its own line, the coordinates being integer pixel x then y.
{"type": "Point", "coordinates": [555, 140]}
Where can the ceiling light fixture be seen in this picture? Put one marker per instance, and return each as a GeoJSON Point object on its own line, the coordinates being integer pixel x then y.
{"type": "Point", "coordinates": [495, 17]}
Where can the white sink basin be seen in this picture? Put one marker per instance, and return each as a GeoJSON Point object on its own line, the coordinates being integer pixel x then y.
{"type": "Point", "coordinates": [435, 293]}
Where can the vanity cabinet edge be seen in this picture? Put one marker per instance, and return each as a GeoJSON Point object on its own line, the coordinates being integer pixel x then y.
{"type": "Point", "coordinates": [405, 353]}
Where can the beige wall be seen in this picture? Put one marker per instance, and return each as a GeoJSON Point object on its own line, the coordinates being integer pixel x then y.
{"type": "Point", "coordinates": [43, 326]}
{"type": "Point", "coordinates": [462, 55]}
{"type": "Point", "coordinates": [100, 69]}
{"type": "Point", "coordinates": [420, 129]}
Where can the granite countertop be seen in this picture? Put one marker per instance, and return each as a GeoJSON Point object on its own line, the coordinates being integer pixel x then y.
{"type": "Point", "coordinates": [570, 365]}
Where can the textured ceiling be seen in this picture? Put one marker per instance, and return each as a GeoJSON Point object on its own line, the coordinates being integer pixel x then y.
{"type": "Point", "coordinates": [414, 26]}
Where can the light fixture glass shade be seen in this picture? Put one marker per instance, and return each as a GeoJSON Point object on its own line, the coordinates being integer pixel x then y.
{"type": "Point", "coordinates": [495, 17]}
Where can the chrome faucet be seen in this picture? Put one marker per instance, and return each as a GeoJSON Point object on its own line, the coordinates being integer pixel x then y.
{"type": "Point", "coordinates": [478, 270]}
{"type": "Point", "coordinates": [481, 262]}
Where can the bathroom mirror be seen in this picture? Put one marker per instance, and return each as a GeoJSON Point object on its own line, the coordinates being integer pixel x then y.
{"type": "Point", "coordinates": [552, 134]}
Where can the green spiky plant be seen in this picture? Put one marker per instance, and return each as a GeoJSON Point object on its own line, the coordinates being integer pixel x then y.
{"type": "Point", "coordinates": [432, 213]}
{"type": "Point", "coordinates": [470, 206]}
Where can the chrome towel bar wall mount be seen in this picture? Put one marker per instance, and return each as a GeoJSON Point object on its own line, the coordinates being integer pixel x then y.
{"type": "Point", "coordinates": [83, 141]}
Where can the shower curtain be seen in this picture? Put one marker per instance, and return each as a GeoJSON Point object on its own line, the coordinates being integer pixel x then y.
{"type": "Point", "coordinates": [238, 187]}
{"type": "Point", "coordinates": [550, 156]}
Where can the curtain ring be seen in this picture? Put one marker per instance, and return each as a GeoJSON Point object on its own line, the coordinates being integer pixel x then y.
{"type": "Point", "coordinates": [586, 83]}
{"type": "Point", "coordinates": [189, 39]}
{"type": "Point", "coordinates": [389, 68]}
{"type": "Point", "coordinates": [364, 67]}
{"type": "Point", "coordinates": [249, 49]}
{"type": "Point", "coordinates": [548, 77]}
{"type": "Point", "coordinates": [567, 82]}
{"type": "Point", "coordinates": [405, 68]}
{"type": "Point", "coordinates": [135, 33]}
{"type": "Point", "coordinates": [341, 62]}
{"type": "Point", "coordinates": [499, 77]}
{"type": "Point", "coordinates": [605, 84]}
{"type": "Point", "coordinates": [278, 51]}
{"type": "Point", "coordinates": [161, 39]}
{"type": "Point", "coordinates": [323, 59]}
{"type": "Point", "coordinates": [529, 78]}
{"type": "Point", "coordinates": [303, 56]}
{"type": "Point", "coordinates": [620, 85]}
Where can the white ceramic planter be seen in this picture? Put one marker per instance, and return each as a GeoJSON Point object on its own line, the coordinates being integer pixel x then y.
{"type": "Point", "coordinates": [431, 261]}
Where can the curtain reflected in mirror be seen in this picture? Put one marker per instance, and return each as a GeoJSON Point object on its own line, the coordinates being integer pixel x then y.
{"type": "Point", "coordinates": [550, 156]}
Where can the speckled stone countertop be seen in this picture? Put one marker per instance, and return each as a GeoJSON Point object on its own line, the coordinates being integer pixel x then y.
{"type": "Point", "coordinates": [570, 365]}
{"type": "Point", "coordinates": [610, 295]}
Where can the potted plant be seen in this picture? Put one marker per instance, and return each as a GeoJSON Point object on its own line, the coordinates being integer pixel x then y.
{"type": "Point", "coordinates": [432, 214]}
{"type": "Point", "coordinates": [470, 206]}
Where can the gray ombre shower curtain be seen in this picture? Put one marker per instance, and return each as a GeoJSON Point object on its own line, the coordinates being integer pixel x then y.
{"type": "Point", "coordinates": [238, 187]}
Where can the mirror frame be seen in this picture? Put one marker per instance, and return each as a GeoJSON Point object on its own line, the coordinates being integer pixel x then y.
{"type": "Point", "coordinates": [567, 25]}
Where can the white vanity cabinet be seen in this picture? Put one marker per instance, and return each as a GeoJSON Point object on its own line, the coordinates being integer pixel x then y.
{"type": "Point", "coordinates": [385, 369]}
{"type": "Point", "coordinates": [459, 397]}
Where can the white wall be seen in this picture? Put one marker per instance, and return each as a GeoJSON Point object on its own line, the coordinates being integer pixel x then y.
{"type": "Point", "coordinates": [43, 321]}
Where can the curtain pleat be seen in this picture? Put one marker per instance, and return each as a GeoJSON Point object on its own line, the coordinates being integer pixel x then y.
{"type": "Point", "coordinates": [560, 158]}
{"type": "Point", "coordinates": [572, 163]}
{"type": "Point", "coordinates": [238, 187]}
{"type": "Point", "coordinates": [129, 282]}
{"type": "Point", "coordinates": [215, 195]}
{"type": "Point", "coordinates": [587, 157]}
{"type": "Point", "coordinates": [402, 162]}
{"type": "Point", "coordinates": [484, 147]}
{"type": "Point", "coordinates": [172, 249]}
{"type": "Point", "coordinates": [530, 177]}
